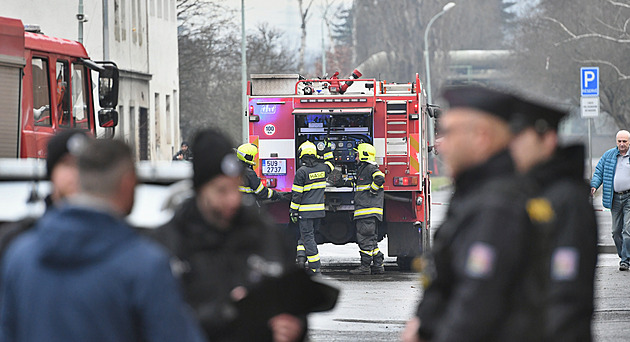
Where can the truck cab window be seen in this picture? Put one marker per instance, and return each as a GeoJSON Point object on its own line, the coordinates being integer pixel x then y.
{"type": "Point", "coordinates": [80, 112]}
{"type": "Point", "coordinates": [63, 95]}
{"type": "Point", "coordinates": [41, 92]}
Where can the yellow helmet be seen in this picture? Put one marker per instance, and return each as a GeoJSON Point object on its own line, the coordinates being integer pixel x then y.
{"type": "Point", "coordinates": [366, 152]}
{"type": "Point", "coordinates": [307, 148]}
{"type": "Point", "coordinates": [247, 152]}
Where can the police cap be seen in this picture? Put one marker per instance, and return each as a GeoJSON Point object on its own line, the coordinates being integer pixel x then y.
{"type": "Point", "coordinates": [538, 115]}
{"type": "Point", "coordinates": [499, 103]}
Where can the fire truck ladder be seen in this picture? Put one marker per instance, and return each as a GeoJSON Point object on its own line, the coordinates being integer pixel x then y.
{"type": "Point", "coordinates": [396, 134]}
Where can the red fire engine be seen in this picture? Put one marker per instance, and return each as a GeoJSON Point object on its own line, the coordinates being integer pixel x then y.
{"type": "Point", "coordinates": [285, 111]}
{"type": "Point", "coordinates": [46, 86]}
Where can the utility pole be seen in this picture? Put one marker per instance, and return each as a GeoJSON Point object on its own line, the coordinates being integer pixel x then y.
{"type": "Point", "coordinates": [81, 19]}
{"type": "Point", "coordinates": [245, 121]}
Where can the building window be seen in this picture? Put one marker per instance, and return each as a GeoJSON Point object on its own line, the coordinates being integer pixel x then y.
{"type": "Point", "coordinates": [156, 110]}
{"type": "Point", "coordinates": [140, 16]}
{"type": "Point", "coordinates": [123, 21]}
{"type": "Point", "coordinates": [117, 20]}
{"type": "Point", "coordinates": [152, 7]}
{"type": "Point", "coordinates": [166, 10]}
{"type": "Point", "coordinates": [173, 11]}
{"type": "Point", "coordinates": [159, 8]}
{"type": "Point", "coordinates": [41, 92]}
{"type": "Point", "coordinates": [134, 24]}
{"type": "Point", "coordinates": [169, 121]}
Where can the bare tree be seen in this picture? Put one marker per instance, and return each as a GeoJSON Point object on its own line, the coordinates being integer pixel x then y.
{"type": "Point", "coordinates": [304, 16]}
{"type": "Point", "coordinates": [578, 34]}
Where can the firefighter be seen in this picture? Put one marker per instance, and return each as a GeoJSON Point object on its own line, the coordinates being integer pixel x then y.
{"type": "Point", "coordinates": [368, 207]}
{"type": "Point", "coordinates": [252, 186]}
{"type": "Point", "coordinates": [307, 202]}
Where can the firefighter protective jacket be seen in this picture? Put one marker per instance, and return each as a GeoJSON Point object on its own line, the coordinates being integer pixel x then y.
{"type": "Point", "coordinates": [253, 186]}
{"type": "Point", "coordinates": [308, 189]}
{"type": "Point", "coordinates": [369, 177]}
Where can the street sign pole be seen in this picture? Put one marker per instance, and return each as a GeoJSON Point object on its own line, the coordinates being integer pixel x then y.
{"type": "Point", "coordinates": [589, 104]}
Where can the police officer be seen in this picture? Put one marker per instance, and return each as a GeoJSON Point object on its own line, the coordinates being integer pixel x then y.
{"type": "Point", "coordinates": [559, 205]}
{"type": "Point", "coordinates": [252, 186]}
{"type": "Point", "coordinates": [307, 202]}
{"type": "Point", "coordinates": [477, 287]}
{"type": "Point", "coordinates": [368, 207]}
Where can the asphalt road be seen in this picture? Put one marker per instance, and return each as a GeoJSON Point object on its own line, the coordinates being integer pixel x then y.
{"type": "Point", "coordinates": [375, 308]}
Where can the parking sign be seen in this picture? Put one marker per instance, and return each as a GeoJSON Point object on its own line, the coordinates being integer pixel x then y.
{"type": "Point", "coordinates": [589, 81]}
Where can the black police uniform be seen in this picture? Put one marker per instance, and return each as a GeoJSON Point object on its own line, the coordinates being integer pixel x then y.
{"type": "Point", "coordinates": [211, 262]}
{"type": "Point", "coordinates": [253, 187]}
{"type": "Point", "coordinates": [309, 186]}
{"type": "Point", "coordinates": [481, 284]}
{"type": "Point", "coordinates": [573, 243]}
{"type": "Point", "coordinates": [368, 207]}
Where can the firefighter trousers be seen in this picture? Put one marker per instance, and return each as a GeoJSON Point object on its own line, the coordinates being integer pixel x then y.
{"type": "Point", "coordinates": [367, 238]}
{"type": "Point", "coordinates": [308, 226]}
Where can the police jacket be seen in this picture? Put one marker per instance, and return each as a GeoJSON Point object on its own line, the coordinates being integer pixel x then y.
{"type": "Point", "coordinates": [605, 175]}
{"type": "Point", "coordinates": [252, 186]}
{"type": "Point", "coordinates": [480, 283]}
{"type": "Point", "coordinates": [573, 238]}
{"type": "Point", "coordinates": [212, 262]}
{"type": "Point", "coordinates": [308, 188]}
{"type": "Point", "coordinates": [368, 177]}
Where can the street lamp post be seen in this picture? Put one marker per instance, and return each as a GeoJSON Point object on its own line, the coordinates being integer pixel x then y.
{"type": "Point", "coordinates": [426, 47]}
{"type": "Point", "coordinates": [245, 118]}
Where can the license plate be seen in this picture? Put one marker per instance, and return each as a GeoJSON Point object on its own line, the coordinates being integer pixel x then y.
{"type": "Point", "coordinates": [274, 167]}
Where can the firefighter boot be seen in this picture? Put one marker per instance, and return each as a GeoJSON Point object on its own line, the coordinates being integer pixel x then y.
{"type": "Point", "coordinates": [364, 269]}
{"type": "Point", "coordinates": [378, 267]}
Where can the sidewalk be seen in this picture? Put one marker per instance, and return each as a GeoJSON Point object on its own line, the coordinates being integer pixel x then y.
{"type": "Point", "coordinates": [612, 301]}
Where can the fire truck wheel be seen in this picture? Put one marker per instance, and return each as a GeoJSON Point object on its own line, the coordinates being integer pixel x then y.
{"type": "Point", "coordinates": [404, 263]}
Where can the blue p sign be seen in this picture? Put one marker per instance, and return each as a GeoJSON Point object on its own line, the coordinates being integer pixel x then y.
{"type": "Point", "coordinates": [589, 81]}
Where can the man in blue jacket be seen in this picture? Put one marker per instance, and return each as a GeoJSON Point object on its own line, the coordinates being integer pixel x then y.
{"type": "Point", "coordinates": [613, 171]}
{"type": "Point", "coordinates": [82, 274]}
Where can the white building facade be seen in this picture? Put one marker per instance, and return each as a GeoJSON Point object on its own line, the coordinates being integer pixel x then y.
{"type": "Point", "coordinates": [140, 36]}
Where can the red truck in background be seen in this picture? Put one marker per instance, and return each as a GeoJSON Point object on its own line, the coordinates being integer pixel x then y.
{"type": "Point", "coordinates": [286, 110]}
{"type": "Point", "coordinates": [46, 86]}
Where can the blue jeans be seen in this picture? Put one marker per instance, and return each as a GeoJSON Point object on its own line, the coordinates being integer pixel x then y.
{"type": "Point", "coordinates": [621, 225]}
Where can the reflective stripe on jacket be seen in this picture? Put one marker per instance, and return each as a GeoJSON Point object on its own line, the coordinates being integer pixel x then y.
{"type": "Point", "coordinates": [252, 185]}
{"type": "Point", "coordinates": [308, 188]}
{"type": "Point", "coordinates": [369, 177]}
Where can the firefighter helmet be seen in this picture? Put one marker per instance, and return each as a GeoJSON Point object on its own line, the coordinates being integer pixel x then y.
{"type": "Point", "coordinates": [247, 152]}
{"type": "Point", "coordinates": [307, 148]}
{"type": "Point", "coordinates": [366, 152]}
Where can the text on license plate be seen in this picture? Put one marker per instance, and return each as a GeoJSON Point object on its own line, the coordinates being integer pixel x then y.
{"type": "Point", "coordinates": [274, 167]}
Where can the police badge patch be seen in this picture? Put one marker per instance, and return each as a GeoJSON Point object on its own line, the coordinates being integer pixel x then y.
{"type": "Point", "coordinates": [564, 264]}
{"type": "Point", "coordinates": [480, 262]}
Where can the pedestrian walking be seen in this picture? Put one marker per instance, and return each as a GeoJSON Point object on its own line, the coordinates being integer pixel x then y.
{"type": "Point", "coordinates": [82, 274]}
{"type": "Point", "coordinates": [307, 203]}
{"type": "Point", "coordinates": [368, 209]}
{"type": "Point", "coordinates": [613, 172]}
{"type": "Point", "coordinates": [184, 153]}
{"type": "Point", "coordinates": [559, 205]}
{"type": "Point", "coordinates": [222, 250]}
{"type": "Point", "coordinates": [478, 281]}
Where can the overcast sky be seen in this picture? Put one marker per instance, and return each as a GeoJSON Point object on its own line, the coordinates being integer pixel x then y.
{"type": "Point", "coordinates": [285, 15]}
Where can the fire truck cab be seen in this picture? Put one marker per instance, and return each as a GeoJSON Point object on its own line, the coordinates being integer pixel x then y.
{"type": "Point", "coordinates": [46, 86]}
{"type": "Point", "coordinates": [285, 110]}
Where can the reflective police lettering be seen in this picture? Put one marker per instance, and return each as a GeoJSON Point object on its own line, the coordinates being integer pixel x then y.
{"type": "Point", "coordinates": [316, 175]}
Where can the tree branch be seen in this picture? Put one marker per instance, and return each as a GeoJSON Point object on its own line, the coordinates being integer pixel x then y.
{"type": "Point", "coordinates": [561, 25]}
{"type": "Point", "coordinates": [621, 4]}
{"type": "Point", "coordinates": [621, 76]}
